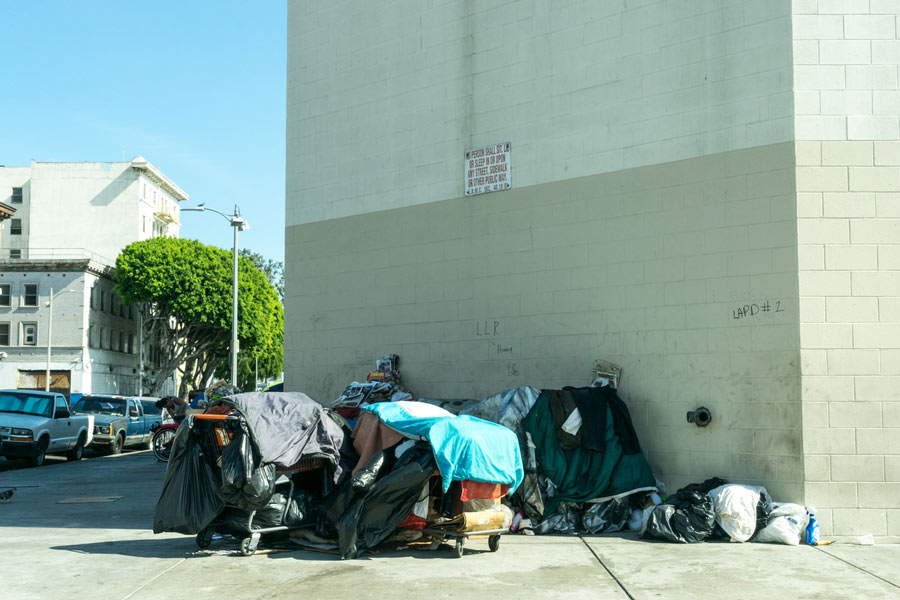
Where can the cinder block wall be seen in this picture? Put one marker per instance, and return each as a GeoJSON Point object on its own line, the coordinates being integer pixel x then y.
{"type": "Point", "coordinates": [685, 273]}
{"type": "Point", "coordinates": [848, 183]}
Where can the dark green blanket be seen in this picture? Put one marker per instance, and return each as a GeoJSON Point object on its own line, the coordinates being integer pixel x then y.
{"type": "Point", "coordinates": [580, 474]}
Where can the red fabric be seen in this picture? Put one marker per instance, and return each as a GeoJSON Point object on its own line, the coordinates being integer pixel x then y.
{"type": "Point", "coordinates": [479, 490]}
{"type": "Point", "coordinates": [348, 412]}
{"type": "Point", "coordinates": [412, 521]}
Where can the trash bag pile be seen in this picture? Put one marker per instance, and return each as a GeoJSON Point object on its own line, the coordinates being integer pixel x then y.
{"type": "Point", "coordinates": [716, 509]}
{"type": "Point", "coordinates": [377, 466]}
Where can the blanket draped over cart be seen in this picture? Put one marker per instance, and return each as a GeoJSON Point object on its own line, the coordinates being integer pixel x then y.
{"type": "Point", "coordinates": [464, 447]}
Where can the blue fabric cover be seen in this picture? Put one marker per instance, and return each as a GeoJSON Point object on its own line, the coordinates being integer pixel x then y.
{"type": "Point", "coordinates": [464, 447]}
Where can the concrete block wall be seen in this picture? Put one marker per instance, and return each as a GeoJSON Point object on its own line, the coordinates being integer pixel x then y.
{"type": "Point", "coordinates": [383, 98]}
{"type": "Point", "coordinates": [685, 273]}
{"type": "Point", "coordinates": [847, 102]}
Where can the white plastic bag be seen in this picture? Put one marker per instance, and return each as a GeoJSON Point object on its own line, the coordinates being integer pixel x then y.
{"type": "Point", "coordinates": [786, 525]}
{"type": "Point", "coordinates": [735, 507]}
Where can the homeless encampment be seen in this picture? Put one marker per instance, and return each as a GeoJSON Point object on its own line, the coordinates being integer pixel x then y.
{"type": "Point", "coordinates": [392, 474]}
{"type": "Point", "coordinates": [224, 464]}
{"type": "Point", "coordinates": [580, 451]}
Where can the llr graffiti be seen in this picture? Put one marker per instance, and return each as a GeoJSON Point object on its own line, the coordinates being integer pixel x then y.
{"type": "Point", "coordinates": [487, 328]}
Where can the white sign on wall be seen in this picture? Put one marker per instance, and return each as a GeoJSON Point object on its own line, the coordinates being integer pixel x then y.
{"type": "Point", "coordinates": [487, 169]}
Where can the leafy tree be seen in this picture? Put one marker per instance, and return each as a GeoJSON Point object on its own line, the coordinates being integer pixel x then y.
{"type": "Point", "coordinates": [272, 269]}
{"type": "Point", "coordinates": [185, 290]}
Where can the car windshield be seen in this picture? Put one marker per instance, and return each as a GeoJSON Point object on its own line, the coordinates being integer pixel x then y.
{"type": "Point", "coordinates": [26, 404]}
{"type": "Point", "coordinates": [150, 407]}
{"type": "Point", "coordinates": [100, 405]}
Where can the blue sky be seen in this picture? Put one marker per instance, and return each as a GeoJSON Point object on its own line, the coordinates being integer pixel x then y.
{"type": "Point", "coordinates": [196, 86]}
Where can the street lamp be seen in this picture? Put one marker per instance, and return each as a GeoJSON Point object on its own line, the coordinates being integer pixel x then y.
{"type": "Point", "coordinates": [49, 305]}
{"type": "Point", "coordinates": [239, 223]}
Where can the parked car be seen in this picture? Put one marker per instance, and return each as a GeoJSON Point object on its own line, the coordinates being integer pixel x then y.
{"type": "Point", "coordinates": [154, 414]}
{"type": "Point", "coordinates": [34, 424]}
{"type": "Point", "coordinates": [119, 422]}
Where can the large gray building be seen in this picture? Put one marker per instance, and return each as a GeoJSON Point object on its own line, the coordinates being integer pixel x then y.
{"type": "Point", "coordinates": [707, 193]}
{"type": "Point", "coordinates": [70, 222]}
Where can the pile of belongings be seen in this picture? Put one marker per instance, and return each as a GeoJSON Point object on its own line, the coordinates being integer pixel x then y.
{"type": "Point", "coordinates": [224, 472]}
{"type": "Point", "coordinates": [717, 509]}
{"type": "Point", "coordinates": [584, 468]}
{"type": "Point", "coordinates": [266, 460]}
{"type": "Point", "coordinates": [381, 385]}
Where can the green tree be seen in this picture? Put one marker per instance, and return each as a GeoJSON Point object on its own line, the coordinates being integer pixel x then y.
{"type": "Point", "coordinates": [272, 269]}
{"type": "Point", "coordinates": [184, 289]}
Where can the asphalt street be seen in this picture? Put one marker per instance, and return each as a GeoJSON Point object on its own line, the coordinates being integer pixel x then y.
{"type": "Point", "coordinates": [84, 530]}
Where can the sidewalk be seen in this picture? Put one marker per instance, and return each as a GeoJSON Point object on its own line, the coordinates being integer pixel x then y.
{"type": "Point", "coordinates": [106, 549]}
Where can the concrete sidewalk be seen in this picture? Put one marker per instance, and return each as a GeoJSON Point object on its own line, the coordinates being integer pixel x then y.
{"type": "Point", "coordinates": [107, 549]}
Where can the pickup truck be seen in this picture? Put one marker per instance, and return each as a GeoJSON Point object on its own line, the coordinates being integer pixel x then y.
{"type": "Point", "coordinates": [34, 424]}
{"type": "Point", "coordinates": [119, 421]}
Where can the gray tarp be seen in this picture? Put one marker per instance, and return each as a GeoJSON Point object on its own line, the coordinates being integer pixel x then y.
{"type": "Point", "coordinates": [509, 409]}
{"type": "Point", "coordinates": [288, 426]}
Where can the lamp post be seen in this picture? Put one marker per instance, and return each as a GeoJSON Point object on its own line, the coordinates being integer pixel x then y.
{"type": "Point", "coordinates": [239, 223]}
{"type": "Point", "coordinates": [50, 331]}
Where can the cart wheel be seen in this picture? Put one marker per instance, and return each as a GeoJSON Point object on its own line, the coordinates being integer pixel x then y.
{"type": "Point", "coordinates": [494, 543]}
{"type": "Point", "coordinates": [248, 548]}
{"type": "Point", "coordinates": [204, 538]}
{"type": "Point", "coordinates": [459, 546]}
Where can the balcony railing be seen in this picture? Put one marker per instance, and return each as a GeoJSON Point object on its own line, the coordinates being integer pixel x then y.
{"type": "Point", "coordinates": [53, 253]}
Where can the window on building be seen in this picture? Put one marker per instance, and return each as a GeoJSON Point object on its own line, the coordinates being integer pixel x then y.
{"type": "Point", "coordinates": [29, 334]}
{"type": "Point", "coordinates": [102, 300]}
{"type": "Point", "coordinates": [131, 313]}
{"type": "Point", "coordinates": [15, 226]}
{"type": "Point", "coordinates": [130, 343]}
{"type": "Point", "coordinates": [113, 341]}
{"type": "Point", "coordinates": [4, 294]}
{"type": "Point", "coordinates": [91, 334]}
{"type": "Point", "coordinates": [4, 334]}
{"type": "Point", "coordinates": [113, 303]}
{"type": "Point", "coordinates": [103, 341]}
{"type": "Point", "coordinates": [30, 294]}
{"type": "Point", "coordinates": [17, 195]}
{"type": "Point", "coordinates": [121, 309]}
{"type": "Point", "coordinates": [144, 194]}
{"type": "Point", "coordinates": [15, 253]}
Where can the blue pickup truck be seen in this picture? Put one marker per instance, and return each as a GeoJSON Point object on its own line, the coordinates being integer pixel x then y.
{"type": "Point", "coordinates": [119, 422]}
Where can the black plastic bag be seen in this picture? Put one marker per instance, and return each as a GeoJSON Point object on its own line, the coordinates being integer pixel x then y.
{"type": "Point", "coordinates": [237, 462]}
{"type": "Point", "coordinates": [334, 507]}
{"type": "Point", "coordinates": [190, 497]}
{"type": "Point", "coordinates": [373, 517]}
{"type": "Point", "coordinates": [607, 517]}
{"type": "Point", "coordinates": [244, 484]}
{"type": "Point", "coordinates": [686, 517]}
{"type": "Point", "coordinates": [301, 509]}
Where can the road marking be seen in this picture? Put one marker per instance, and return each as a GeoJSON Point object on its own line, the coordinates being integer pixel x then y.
{"type": "Point", "coordinates": [152, 579]}
{"type": "Point", "coordinates": [90, 500]}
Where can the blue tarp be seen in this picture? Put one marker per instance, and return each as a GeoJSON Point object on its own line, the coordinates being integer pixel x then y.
{"type": "Point", "coordinates": [464, 447]}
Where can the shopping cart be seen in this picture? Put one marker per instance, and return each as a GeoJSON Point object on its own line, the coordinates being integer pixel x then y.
{"type": "Point", "coordinates": [215, 432]}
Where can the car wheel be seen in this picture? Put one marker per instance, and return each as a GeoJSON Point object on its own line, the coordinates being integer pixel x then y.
{"type": "Point", "coordinates": [78, 451]}
{"type": "Point", "coordinates": [117, 445]}
{"type": "Point", "coordinates": [38, 459]}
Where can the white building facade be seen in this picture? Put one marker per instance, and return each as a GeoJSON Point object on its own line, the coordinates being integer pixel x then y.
{"type": "Point", "coordinates": [71, 220]}
{"type": "Point", "coordinates": [94, 207]}
{"type": "Point", "coordinates": [706, 193]}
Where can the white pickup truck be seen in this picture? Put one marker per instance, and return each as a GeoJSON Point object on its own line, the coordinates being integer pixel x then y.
{"type": "Point", "coordinates": [34, 424]}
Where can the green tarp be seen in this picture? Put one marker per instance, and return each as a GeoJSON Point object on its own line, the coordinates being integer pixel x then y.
{"type": "Point", "coordinates": [580, 474]}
